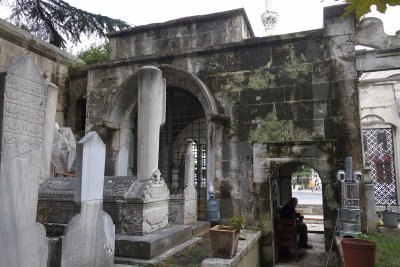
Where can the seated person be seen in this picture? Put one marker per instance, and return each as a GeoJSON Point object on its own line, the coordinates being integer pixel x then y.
{"type": "Point", "coordinates": [288, 212]}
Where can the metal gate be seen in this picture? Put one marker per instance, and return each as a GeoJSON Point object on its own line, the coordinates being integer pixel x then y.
{"type": "Point", "coordinates": [379, 156]}
{"type": "Point", "coordinates": [185, 119]}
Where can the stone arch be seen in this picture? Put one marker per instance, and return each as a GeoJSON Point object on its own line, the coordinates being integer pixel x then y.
{"type": "Point", "coordinates": [120, 117]}
{"type": "Point", "coordinates": [270, 157]}
{"type": "Point", "coordinates": [281, 191]}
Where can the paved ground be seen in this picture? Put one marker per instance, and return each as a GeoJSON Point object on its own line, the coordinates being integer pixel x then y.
{"type": "Point", "coordinates": [308, 197]}
{"type": "Point", "coordinates": [314, 257]}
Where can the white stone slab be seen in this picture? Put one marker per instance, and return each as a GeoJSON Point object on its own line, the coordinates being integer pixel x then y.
{"type": "Point", "coordinates": [23, 95]}
{"type": "Point", "coordinates": [90, 163]}
{"type": "Point", "coordinates": [122, 162]}
{"type": "Point", "coordinates": [151, 115]}
{"type": "Point", "coordinates": [90, 238]}
{"type": "Point", "coordinates": [48, 135]}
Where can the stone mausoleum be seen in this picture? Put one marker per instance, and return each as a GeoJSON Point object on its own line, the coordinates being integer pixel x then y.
{"type": "Point", "coordinates": [254, 110]}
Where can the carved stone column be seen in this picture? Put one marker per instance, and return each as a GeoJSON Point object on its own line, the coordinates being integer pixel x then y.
{"type": "Point", "coordinates": [370, 207]}
{"type": "Point", "coordinates": [146, 208]}
{"type": "Point", "coordinates": [190, 194]}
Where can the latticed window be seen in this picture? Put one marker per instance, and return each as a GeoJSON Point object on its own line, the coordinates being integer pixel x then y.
{"type": "Point", "coordinates": [185, 119]}
{"type": "Point", "coordinates": [379, 156]}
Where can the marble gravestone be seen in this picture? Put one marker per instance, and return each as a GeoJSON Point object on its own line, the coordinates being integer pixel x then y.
{"type": "Point", "coordinates": [50, 118]}
{"type": "Point", "coordinates": [189, 193]}
{"type": "Point", "coordinates": [23, 94]}
{"type": "Point", "coordinates": [122, 162]}
{"type": "Point", "coordinates": [90, 235]}
{"type": "Point", "coordinates": [147, 199]}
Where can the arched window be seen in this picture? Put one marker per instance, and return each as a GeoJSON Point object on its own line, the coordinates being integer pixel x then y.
{"type": "Point", "coordinates": [185, 119]}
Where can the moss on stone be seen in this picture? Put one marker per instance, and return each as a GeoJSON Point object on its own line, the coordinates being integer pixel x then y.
{"type": "Point", "coordinates": [234, 81]}
{"type": "Point", "coordinates": [278, 131]}
{"type": "Point", "coordinates": [266, 226]}
{"type": "Point", "coordinates": [261, 78]}
{"type": "Point", "coordinates": [295, 70]}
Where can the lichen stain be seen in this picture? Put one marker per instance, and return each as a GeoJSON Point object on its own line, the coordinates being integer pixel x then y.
{"type": "Point", "coordinates": [278, 131]}
{"type": "Point", "coordinates": [232, 81]}
{"type": "Point", "coordinates": [295, 70]}
{"type": "Point", "coordinates": [261, 78]}
{"type": "Point", "coordinates": [265, 220]}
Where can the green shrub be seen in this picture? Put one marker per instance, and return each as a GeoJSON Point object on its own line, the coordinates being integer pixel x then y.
{"type": "Point", "coordinates": [95, 53]}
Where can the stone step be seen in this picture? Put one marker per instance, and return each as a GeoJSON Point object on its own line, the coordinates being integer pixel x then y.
{"type": "Point", "coordinates": [200, 227]}
{"type": "Point", "coordinates": [123, 262]}
{"type": "Point", "coordinates": [151, 245]}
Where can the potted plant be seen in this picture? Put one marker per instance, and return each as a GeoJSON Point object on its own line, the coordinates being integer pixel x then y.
{"type": "Point", "coordinates": [225, 238]}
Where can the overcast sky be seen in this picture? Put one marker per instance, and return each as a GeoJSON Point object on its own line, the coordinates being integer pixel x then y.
{"type": "Point", "coordinates": [294, 15]}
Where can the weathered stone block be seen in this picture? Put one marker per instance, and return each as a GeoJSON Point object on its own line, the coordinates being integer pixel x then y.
{"type": "Point", "coordinates": [298, 92]}
{"type": "Point", "coordinates": [261, 96]}
{"type": "Point", "coordinates": [146, 247]}
{"type": "Point", "coordinates": [322, 90]}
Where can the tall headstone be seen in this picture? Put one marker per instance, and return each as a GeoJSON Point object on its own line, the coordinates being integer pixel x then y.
{"type": "Point", "coordinates": [122, 162]}
{"type": "Point", "coordinates": [151, 116]}
{"type": "Point", "coordinates": [190, 194]}
{"type": "Point", "coordinates": [90, 235]}
{"type": "Point", "coordinates": [147, 198]}
{"type": "Point", "coordinates": [23, 95]}
{"type": "Point", "coordinates": [50, 117]}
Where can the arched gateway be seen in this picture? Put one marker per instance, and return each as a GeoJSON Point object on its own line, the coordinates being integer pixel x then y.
{"type": "Point", "coordinates": [189, 111]}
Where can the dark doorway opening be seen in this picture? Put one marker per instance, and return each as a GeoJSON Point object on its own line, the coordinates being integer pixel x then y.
{"type": "Point", "coordinates": [185, 119]}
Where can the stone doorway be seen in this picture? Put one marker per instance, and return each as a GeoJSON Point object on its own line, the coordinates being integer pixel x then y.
{"type": "Point", "coordinates": [281, 192]}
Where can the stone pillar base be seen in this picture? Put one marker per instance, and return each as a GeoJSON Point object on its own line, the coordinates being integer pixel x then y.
{"type": "Point", "coordinates": [146, 206]}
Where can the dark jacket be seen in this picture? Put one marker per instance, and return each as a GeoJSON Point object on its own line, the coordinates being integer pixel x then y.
{"type": "Point", "coordinates": [288, 211]}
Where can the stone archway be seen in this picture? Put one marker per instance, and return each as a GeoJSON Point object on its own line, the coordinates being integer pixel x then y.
{"type": "Point", "coordinates": [120, 118]}
{"type": "Point", "coordinates": [269, 158]}
{"type": "Point", "coordinates": [281, 193]}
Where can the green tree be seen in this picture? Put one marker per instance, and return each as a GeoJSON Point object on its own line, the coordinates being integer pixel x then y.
{"type": "Point", "coordinates": [54, 20]}
{"type": "Point", "coordinates": [362, 7]}
{"type": "Point", "coordinates": [95, 53]}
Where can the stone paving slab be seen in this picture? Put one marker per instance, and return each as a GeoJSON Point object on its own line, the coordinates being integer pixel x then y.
{"type": "Point", "coordinates": [151, 245]}
{"type": "Point", "coordinates": [315, 227]}
{"type": "Point", "coordinates": [123, 261]}
{"type": "Point", "coordinates": [314, 257]}
{"type": "Point", "coordinates": [200, 227]}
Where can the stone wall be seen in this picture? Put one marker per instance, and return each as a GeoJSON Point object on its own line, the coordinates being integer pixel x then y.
{"type": "Point", "coordinates": [52, 62]}
{"type": "Point", "coordinates": [380, 108]}
{"type": "Point", "coordinates": [177, 36]}
{"type": "Point", "coordinates": [288, 94]}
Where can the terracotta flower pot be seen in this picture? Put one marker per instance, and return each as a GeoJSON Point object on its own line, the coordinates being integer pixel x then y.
{"type": "Point", "coordinates": [224, 242]}
{"type": "Point", "coordinates": [358, 252]}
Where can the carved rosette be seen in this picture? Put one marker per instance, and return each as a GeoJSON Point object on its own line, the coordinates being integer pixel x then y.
{"type": "Point", "coordinates": [269, 20]}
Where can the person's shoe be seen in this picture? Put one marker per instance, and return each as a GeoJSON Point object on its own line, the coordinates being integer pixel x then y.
{"type": "Point", "coordinates": [308, 246]}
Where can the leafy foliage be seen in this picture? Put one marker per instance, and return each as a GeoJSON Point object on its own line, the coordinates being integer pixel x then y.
{"type": "Point", "coordinates": [235, 223]}
{"type": "Point", "coordinates": [362, 7]}
{"type": "Point", "coordinates": [51, 19]}
{"type": "Point", "coordinates": [95, 53]}
{"type": "Point", "coordinates": [303, 171]}
{"type": "Point", "coordinates": [42, 214]}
